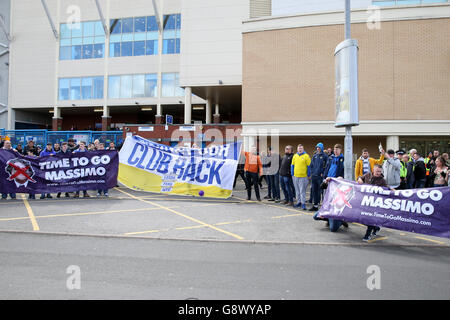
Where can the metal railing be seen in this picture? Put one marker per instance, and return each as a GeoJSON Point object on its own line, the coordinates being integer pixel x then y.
{"type": "Point", "coordinates": [42, 137]}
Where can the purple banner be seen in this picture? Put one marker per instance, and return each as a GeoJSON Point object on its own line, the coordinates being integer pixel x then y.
{"type": "Point", "coordinates": [424, 211]}
{"type": "Point", "coordinates": [96, 170]}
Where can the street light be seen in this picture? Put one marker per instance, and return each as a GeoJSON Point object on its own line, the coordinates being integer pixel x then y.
{"type": "Point", "coordinates": [346, 90]}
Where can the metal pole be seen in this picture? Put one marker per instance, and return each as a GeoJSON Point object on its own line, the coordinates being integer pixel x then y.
{"type": "Point", "coordinates": [348, 141]}
{"type": "Point", "coordinates": [102, 18]}
{"type": "Point", "coordinates": [50, 19]}
{"type": "Point", "coordinates": [347, 20]}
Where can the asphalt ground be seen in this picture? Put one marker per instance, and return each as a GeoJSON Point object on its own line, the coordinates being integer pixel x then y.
{"type": "Point", "coordinates": [137, 245]}
{"type": "Point", "coordinates": [129, 213]}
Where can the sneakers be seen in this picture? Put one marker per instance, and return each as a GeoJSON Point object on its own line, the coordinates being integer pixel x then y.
{"type": "Point", "coordinates": [67, 195]}
{"type": "Point", "coordinates": [284, 202]}
{"type": "Point", "coordinates": [290, 204]}
{"type": "Point", "coordinates": [366, 238]}
{"type": "Point", "coordinates": [345, 224]}
{"type": "Point", "coordinates": [314, 208]}
{"type": "Point", "coordinates": [277, 201]}
{"type": "Point", "coordinates": [98, 194]}
{"type": "Point", "coordinates": [106, 194]}
{"type": "Point", "coordinates": [49, 196]}
{"type": "Point", "coordinates": [271, 199]}
{"type": "Point", "coordinates": [266, 197]}
{"type": "Point", "coordinates": [298, 205]}
{"type": "Point", "coordinates": [304, 206]}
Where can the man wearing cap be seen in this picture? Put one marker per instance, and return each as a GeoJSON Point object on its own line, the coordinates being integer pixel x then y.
{"type": "Point", "coordinates": [318, 163]}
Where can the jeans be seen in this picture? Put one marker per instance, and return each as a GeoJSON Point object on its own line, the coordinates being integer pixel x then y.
{"type": "Point", "coordinates": [5, 195]}
{"type": "Point", "coordinates": [300, 185]}
{"type": "Point", "coordinates": [334, 224]}
{"type": "Point", "coordinates": [269, 186]}
{"type": "Point", "coordinates": [252, 178]}
{"type": "Point", "coordinates": [286, 187]}
{"type": "Point", "coordinates": [316, 192]}
{"type": "Point", "coordinates": [274, 182]}
{"type": "Point", "coordinates": [420, 184]}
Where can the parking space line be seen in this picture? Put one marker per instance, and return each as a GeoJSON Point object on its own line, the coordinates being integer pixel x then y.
{"type": "Point", "coordinates": [378, 239]}
{"type": "Point", "coordinates": [30, 213]}
{"type": "Point", "coordinates": [431, 240]}
{"type": "Point", "coordinates": [184, 216]}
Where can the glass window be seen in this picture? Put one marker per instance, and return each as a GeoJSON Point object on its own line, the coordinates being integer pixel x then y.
{"type": "Point", "coordinates": [98, 29]}
{"type": "Point", "coordinates": [63, 89]}
{"type": "Point", "coordinates": [99, 50]}
{"type": "Point", "coordinates": [88, 29]}
{"type": "Point", "coordinates": [65, 53]}
{"type": "Point", "coordinates": [65, 31]}
{"type": "Point", "coordinates": [97, 88]}
{"type": "Point", "coordinates": [168, 85]}
{"type": "Point", "coordinates": [138, 85]}
{"type": "Point", "coordinates": [77, 31]}
{"type": "Point", "coordinates": [126, 83]}
{"type": "Point", "coordinates": [114, 87]}
{"type": "Point", "coordinates": [114, 50]}
{"type": "Point", "coordinates": [152, 25]}
{"type": "Point", "coordinates": [139, 48]}
{"type": "Point", "coordinates": [169, 22]}
{"type": "Point", "coordinates": [151, 47]}
{"type": "Point", "coordinates": [115, 26]}
{"type": "Point", "coordinates": [139, 24]}
{"type": "Point", "coordinates": [76, 52]}
{"type": "Point", "coordinates": [168, 46]}
{"type": "Point", "coordinates": [127, 25]}
{"type": "Point", "coordinates": [126, 49]}
{"type": "Point", "coordinates": [151, 85]}
{"type": "Point", "coordinates": [75, 84]}
{"type": "Point", "coordinates": [87, 51]}
{"type": "Point", "coordinates": [86, 88]}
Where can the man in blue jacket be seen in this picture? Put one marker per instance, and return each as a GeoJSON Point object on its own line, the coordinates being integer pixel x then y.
{"type": "Point", "coordinates": [318, 163]}
{"type": "Point", "coordinates": [334, 169]}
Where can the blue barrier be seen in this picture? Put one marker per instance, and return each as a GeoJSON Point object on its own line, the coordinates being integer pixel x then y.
{"type": "Point", "coordinates": [42, 137]}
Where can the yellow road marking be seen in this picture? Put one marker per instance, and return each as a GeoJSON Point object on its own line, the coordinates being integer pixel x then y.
{"type": "Point", "coordinates": [287, 215]}
{"type": "Point", "coordinates": [30, 214]}
{"type": "Point", "coordinates": [431, 240]}
{"type": "Point", "coordinates": [184, 216]}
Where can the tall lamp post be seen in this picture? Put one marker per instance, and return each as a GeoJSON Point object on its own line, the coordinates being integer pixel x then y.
{"type": "Point", "coordinates": [346, 90]}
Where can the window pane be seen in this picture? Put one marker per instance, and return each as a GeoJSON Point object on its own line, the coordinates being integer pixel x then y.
{"type": "Point", "coordinates": [75, 88]}
{"type": "Point", "coordinates": [97, 88]}
{"type": "Point", "coordinates": [168, 85]}
{"type": "Point", "coordinates": [138, 85]}
{"type": "Point", "coordinates": [140, 36]}
{"type": "Point", "coordinates": [178, 22]}
{"type": "Point", "coordinates": [99, 29]}
{"type": "Point", "coordinates": [139, 24]}
{"type": "Point", "coordinates": [127, 37]}
{"type": "Point", "coordinates": [87, 51]}
{"type": "Point", "coordinates": [152, 47]}
{"type": "Point", "coordinates": [177, 45]}
{"type": "Point", "coordinates": [126, 83]}
{"type": "Point", "coordinates": [152, 25]}
{"type": "Point", "coordinates": [65, 42]}
{"type": "Point", "coordinates": [76, 29]}
{"type": "Point", "coordinates": [139, 48]}
{"type": "Point", "coordinates": [99, 39]}
{"type": "Point", "coordinates": [88, 29]}
{"type": "Point", "coordinates": [98, 50]}
{"type": "Point", "coordinates": [86, 88]}
{"type": "Point", "coordinates": [65, 53]}
{"type": "Point", "coordinates": [114, 50]}
{"type": "Point", "coordinates": [77, 41]}
{"type": "Point", "coordinates": [76, 52]}
{"type": "Point", "coordinates": [115, 26]}
{"type": "Point", "coordinates": [115, 38]}
{"type": "Point", "coordinates": [169, 46]}
{"type": "Point", "coordinates": [151, 85]}
{"type": "Point", "coordinates": [88, 40]}
{"type": "Point", "coordinates": [169, 22]}
{"type": "Point", "coordinates": [63, 89]}
{"type": "Point", "coordinates": [65, 31]}
{"type": "Point", "coordinates": [114, 87]}
{"type": "Point", "coordinates": [126, 49]}
{"type": "Point", "coordinates": [152, 35]}
{"type": "Point", "coordinates": [127, 25]}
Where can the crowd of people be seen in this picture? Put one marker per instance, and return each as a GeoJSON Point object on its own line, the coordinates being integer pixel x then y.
{"type": "Point", "coordinates": [33, 151]}
{"type": "Point", "coordinates": [295, 172]}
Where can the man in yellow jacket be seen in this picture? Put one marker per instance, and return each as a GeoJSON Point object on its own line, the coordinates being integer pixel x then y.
{"type": "Point", "coordinates": [365, 163]}
{"type": "Point", "coordinates": [300, 172]}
